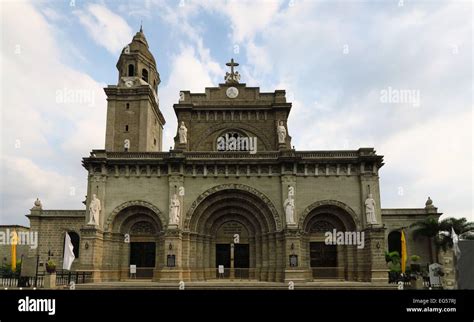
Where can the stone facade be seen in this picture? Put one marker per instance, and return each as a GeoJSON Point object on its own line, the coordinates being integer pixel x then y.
{"type": "Point", "coordinates": [229, 206]}
{"type": "Point", "coordinates": [22, 250]}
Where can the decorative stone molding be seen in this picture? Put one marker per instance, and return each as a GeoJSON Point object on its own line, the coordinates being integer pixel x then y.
{"type": "Point", "coordinates": [234, 186]}
{"type": "Point", "coordinates": [132, 203]}
{"type": "Point", "coordinates": [218, 128]}
{"type": "Point", "coordinates": [304, 214]}
{"type": "Point", "coordinates": [142, 228]}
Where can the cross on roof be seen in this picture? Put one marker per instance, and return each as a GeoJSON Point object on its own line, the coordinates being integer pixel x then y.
{"type": "Point", "coordinates": [231, 64]}
{"type": "Point", "coordinates": [233, 77]}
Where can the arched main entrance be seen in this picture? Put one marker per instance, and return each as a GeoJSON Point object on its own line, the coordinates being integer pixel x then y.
{"type": "Point", "coordinates": [141, 228]}
{"type": "Point", "coordinates": [329, 258]}
{"type": "Point", "coordinates": [235, 229]}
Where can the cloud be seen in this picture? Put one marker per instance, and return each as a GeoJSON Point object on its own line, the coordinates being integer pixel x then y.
{"type": "Point", "coordinates": [430, 158]}
{"type": "Point", "coordinates": [297, 46]}
{"type": "Point", "coordinates": [106, 28]}
{"type": "Point", "coordinates": [52, 115]}
{"type": "Point", "coordinates": [418, 47]}
{"type": "Point", "coordinates": [188, 72]}
{"type": "Point", "coordinates": [248, 17]}
{"type": "Point", "coordinates": [26, 181]}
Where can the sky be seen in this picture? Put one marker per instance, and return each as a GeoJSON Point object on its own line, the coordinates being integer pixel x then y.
{"type": "Point", "coordinates": [393, 75]}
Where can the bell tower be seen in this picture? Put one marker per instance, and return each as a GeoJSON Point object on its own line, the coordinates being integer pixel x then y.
{"type": "Point", "coordinates": [134, 120]}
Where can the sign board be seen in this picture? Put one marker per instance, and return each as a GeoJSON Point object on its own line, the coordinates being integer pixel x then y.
{"type": "Point", "coordinates": [171, 260]}
{"type": "Point", "coordinates": [133, 269]}
{"type": "Point", "coordinates": [221, 269]}
{"type": "Point", "coordinates": [435, 274]}
{"type": "Point", "coordinates": [293, 260]}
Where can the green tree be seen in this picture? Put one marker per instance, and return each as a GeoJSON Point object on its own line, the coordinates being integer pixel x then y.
{"type": "Point", "coordinates": [463, 228]}
{"type": "Point", "coordinates": [393, 261]}
{"type": "Point", "coordinates": [428, 228]}
{"type": "Point", "coordinates": [439, 232]}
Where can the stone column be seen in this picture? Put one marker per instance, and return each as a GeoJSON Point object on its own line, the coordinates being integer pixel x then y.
{"type": "Point", "coordinates": [293, 247]}
{"type": "Point", "coordinates": [449, 261]}
{"type": "Point", "coordinates": [350, 263]}
{"type": "Point", "coordinates": [185, 244]}
{"type": "Point", "coordinates": [374, 246]}
{"type": "Point", "coordinates": [280, 254]}
{"type": "Point", "coordinates": [173, 245]}
{"type": "Point", "coordinates": [199, 257]}
{"type": "Point", "coordinates": [271, 257]}
{"type": "Point", "coordinates": [265, 257]}
{"type": "Point", "coordinates": [206, 258]}
{"type": "Point", "coordinates": [258, 257]}
{"type": "Point", "coordinates": [92, 251]}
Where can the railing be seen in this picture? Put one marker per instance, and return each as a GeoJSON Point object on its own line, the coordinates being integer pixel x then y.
{"type": "Point", "coordinates": [15, 281]}
{"type": "Point", "coordinates": [407, 279]}
{"type": "Point", "coordinates": [62, 278]}
{"type": "Point", "coordinates": [65, 278]}
{"type": "Point", "coordinates": [231, 154]}
{"type": "Point", "coordinates": [235, 273]}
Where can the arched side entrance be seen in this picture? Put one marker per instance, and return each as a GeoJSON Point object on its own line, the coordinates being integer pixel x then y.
{"type": "Point", "coordinates": [395, 241]}
{"type": "Point", "coordinates": [141, 233]}
{"type": "Point", "coordinates": [330, 242]}
{"type": "Point", "coordinates": [234, 229]}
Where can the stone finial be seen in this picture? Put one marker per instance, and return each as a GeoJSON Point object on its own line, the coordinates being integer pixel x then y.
{"type": "Point", "coordinates": [37, 205]}
{"type": "Point", "coordinates": [429, 203]}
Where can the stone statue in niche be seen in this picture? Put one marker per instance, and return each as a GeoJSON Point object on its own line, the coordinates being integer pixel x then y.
{"type": "Point", "coordinates": [289, 206]}
{"type": "Point", "coordinates": [281, 131]}
{"type": "Point", "coordinates": [370, 210]}
{"type": "Point", "coordinates": [183, 133]}
{"type": "Point", "coordinates": [94, 210]}
{"type": "Point", "coordinates": [174, 210]}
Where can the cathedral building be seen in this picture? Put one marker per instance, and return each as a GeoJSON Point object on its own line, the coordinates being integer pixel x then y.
{"type": "Point", "coordinates": [232, 199]}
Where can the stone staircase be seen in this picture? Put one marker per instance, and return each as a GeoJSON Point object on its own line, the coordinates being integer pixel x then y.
{"type": "Point", "coordinates": [134, 284]}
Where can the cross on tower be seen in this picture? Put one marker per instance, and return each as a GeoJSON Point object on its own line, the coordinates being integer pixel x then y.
{"type": "Point", "coordinates": [232, 77]}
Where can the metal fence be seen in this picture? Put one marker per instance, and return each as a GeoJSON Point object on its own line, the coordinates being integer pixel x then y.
{"type": "Point", "coordinates": [62, 278]}
{"type": "Point", "coordinates": [407, 279]}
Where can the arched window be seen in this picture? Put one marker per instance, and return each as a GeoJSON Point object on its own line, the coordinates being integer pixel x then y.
{"type": "Point", "coordinates": [131, 70]}
{"type": "Point", "coordinates": [126, 128]}
{"type": "Point", "coordinates": [145, 75]}
{"type": "Point", "coordinates": [75, 241]}
{"type": "Point", "coordinates": [235, 141]}
{"type": "Point", "coordinates": [128, 106]}
{"type": "Point", "coordinates": [395, 242]}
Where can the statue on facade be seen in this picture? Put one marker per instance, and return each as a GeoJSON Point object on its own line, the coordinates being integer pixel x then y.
{"type": "Point", "coordinates": [94, 210]}
{"type": "Point", "coordinates": [183, 133]}
{"type": "Point", "coordinates": [174, 210]}
{"type": "Point", "coordinates": [281, 131]}
{"type": "Point", "coordinates": [370, 210]}
{"type": "Point", "coordinates": [289, 206]}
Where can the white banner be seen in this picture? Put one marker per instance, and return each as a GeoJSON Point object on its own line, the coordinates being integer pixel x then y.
{"type": "Point", "coordinates": [68, 257]}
